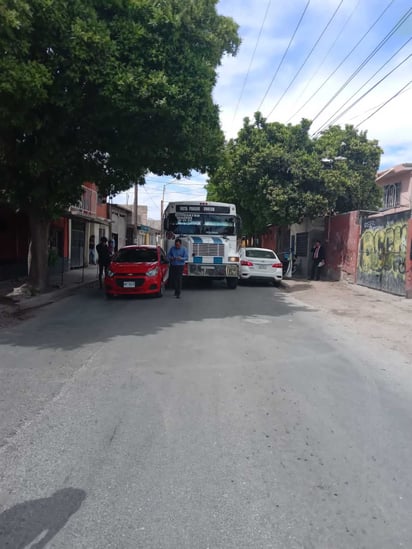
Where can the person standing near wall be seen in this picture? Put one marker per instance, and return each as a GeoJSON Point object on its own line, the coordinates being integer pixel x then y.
{"type": "Point", "coordinates": [318, 260]}
{"type": "Point", "coordinates": [104, 258]}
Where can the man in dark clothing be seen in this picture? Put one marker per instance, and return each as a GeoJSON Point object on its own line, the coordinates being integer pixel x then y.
{"type": "Point", "coordinates": [318, 260]}
{"type": "Point", "coordinates": [104, 258]}
{"type": "Point", "coordinates": [177, 256]}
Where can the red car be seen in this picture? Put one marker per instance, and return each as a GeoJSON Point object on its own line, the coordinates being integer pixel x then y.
{"type": "Point", "coordinates": [136, 270]}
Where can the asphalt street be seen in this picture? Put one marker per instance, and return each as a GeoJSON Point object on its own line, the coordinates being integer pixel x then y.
{"type": "Point", "coordinates": [226, 419]}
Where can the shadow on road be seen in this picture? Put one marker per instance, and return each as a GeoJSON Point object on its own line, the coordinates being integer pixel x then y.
{"type": "Point", "coordinates": [34, 523]}
{"type": "Point", "coordinates": [87, 317]}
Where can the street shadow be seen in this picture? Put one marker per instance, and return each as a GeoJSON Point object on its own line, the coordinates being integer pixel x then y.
{"type": "Point", "coordinates": [87, 317]}
{"type": "Point", "coordinates": [34, 523]}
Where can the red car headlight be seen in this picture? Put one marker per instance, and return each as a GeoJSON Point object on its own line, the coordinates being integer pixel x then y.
{"type": "Point", "coordinates": [152, 272]}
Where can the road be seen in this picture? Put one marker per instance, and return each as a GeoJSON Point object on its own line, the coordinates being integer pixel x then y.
{"type": "Point", "coordinates": [226, 419]}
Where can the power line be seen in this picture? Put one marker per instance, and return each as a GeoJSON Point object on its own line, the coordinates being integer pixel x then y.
{"type": "Point", "coordinates": [251, 60]}
{"type": "Point", "coordinates": [376, 107]}
{"type": "Point", "coordinates": [157, 205]}
{"type": "Point", "coordinates": [285, 53]}
{"type": "Point", "coordinates": [307, 57]}
{"type": "Point", "coordinates": [385, 103]}
{"type": "Point", "coordinates": [334, 118]}
{"type": "Point", "coordinates": [348, 55]}
{"type": "Point", "coordinates": [366, 61]}
{"type": "Point", "coordinates": [323, 61]}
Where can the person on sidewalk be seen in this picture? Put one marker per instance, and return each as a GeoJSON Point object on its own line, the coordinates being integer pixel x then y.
{"type": "Point", "coordinates": [177, 256]}
{"type": "Point", "coordinates": [104, 258]}
{"type": "Point", "coordinates": [318, 260]}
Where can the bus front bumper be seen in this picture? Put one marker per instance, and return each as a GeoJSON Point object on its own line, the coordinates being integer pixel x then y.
{"type": "Point", "coordinates": [209, 269]}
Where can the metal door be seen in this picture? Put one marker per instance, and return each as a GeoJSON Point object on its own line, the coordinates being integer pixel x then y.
{"type": "Point", "coordinates": [382, 252]}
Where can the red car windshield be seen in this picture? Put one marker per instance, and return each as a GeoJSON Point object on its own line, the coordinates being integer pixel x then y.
{"type": "Point", "coordinates": [136, 255]}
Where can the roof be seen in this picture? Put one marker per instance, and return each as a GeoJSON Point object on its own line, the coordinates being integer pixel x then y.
{"type": "Point", "coordinates": [399, 168]}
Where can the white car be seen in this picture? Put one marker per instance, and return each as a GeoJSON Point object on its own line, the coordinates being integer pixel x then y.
{"type": "Point", "coordinates": [260, 264]}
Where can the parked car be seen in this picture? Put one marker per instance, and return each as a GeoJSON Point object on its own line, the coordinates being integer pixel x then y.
{"type": "Point", "coordinates": [260, 264]}
{"type": "Point", "coordinates": [137, 270]}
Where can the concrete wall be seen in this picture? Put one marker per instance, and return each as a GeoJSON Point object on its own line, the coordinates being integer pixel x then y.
{"type": "Point", "coordinates": [342, 233]}
{"type": "Point", "coordinates": [120, 218]}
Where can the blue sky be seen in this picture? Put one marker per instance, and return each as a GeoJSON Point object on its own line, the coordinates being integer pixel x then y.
{"type": "Point", "coordinates": [290, 79]}
{"type": "Point", "coordinates": [266, 28]}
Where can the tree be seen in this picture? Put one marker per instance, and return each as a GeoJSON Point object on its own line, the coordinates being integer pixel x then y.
{"type": "Point", "coordinates": [104, 91]}
{"type": "Point", "coordinates": [277, 174]}
{"type": "Point", "coordinates": [351, 167]}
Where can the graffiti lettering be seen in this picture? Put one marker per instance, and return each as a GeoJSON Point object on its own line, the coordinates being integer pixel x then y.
{"type": "Point", "coordinates": [382, 257]}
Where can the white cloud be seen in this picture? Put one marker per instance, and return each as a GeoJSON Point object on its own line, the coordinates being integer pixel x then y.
{"type": "Point", "coordinates": [151, 193]}
{"type": "Point", "coordinates": [391, 126]}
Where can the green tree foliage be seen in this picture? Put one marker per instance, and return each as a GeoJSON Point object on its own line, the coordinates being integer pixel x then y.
{"type": "Point", "coordinates": [104, 90]}
{"type": "Point", "coordinates": [276, 173]}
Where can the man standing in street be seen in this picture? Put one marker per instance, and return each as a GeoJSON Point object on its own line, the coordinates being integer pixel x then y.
{"type": "Point", "coordinates": [318, 260]}
{"type": "Point", "coordinates": [104, 258]}
{"type": "Point", "coordinates": [177, 256]}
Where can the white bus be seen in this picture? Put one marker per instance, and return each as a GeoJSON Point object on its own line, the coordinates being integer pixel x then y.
{"type": "Point", "coordinates": [210, 232]}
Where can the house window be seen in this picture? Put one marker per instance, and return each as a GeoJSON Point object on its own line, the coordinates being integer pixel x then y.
{"type": "Point", "coordinates": [392, 195]}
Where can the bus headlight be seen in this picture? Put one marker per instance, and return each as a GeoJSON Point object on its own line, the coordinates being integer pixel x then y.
{"type": "Point", "coordinates": [234, 258]}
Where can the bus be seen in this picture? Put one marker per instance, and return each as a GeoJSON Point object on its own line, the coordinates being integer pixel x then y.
{"type": "Point", "coordinates": [210, 232]}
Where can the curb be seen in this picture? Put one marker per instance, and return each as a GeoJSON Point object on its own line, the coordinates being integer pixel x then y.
{"type": "Point", "coordinates": [42, 300]}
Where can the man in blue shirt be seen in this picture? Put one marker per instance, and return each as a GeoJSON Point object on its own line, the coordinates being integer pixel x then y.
{"type": "Point", "coordinates": [177, 256]}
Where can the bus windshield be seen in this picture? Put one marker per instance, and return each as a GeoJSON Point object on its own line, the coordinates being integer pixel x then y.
{"type": "Point", "coordinates": [212, 224]}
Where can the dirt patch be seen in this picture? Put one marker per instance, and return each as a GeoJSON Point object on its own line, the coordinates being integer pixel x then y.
{"type": "Point", "coordinates": [380, 317]}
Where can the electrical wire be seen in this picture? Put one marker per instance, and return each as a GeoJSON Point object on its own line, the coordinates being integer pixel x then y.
{"type": "Point", "coordinates": [323, 61]}
{"type": "Point", "coordinates": [348, 55]}
{"type": "Point", "coordinates": [251, 62]}
{"type": "Point", "coordinates": [307, 57]}
{"type": "Point", "coordinates": [365, 62]}
{"type": "Point", "coordinates": [334, 118]}
{"type": "Point", "coordinates": [384, 104]}
{"type": "Point", "coordinates": [285, 53]}
{"type": "Point", "coordinates": [375, 107]}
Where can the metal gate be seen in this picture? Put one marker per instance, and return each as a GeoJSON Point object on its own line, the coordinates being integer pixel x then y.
{"type": "Point", "coordinates": [382, 252]}
{"type": "Point", "coordinates": [77, 244]}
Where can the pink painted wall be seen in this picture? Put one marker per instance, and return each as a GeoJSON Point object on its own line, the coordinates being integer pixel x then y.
{"type": "Point", "coordinates": [342, 234]}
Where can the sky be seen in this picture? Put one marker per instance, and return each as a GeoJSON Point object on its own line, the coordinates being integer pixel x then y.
{"type": "Point", "coordinates": [312, 59]}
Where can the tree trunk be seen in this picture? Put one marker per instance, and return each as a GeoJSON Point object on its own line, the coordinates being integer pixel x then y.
{"type": "Point", "coordinates": [39, 249]}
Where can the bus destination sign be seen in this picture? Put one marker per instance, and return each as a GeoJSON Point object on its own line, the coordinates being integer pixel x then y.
{"type": "Point", "coordinates": [202, 208]}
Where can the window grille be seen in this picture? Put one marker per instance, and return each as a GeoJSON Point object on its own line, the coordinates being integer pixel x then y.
{"type": "Point", "coordinates": [392, 195]}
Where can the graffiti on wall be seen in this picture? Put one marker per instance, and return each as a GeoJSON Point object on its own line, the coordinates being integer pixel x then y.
{"type": "Point", "coordinates": [382, 257]}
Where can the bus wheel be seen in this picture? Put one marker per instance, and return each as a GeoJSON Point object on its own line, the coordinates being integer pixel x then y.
{"type": "Point", "coordinates": [231, 283]}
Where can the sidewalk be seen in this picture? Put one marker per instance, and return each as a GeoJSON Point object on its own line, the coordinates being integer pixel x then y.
{"type": "Point", "coordinates": [13, 308]}
{"type": "Point", "coordinates": [378, 316]}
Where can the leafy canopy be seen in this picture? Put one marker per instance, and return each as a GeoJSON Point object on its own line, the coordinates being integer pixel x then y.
{"type": "Point", "coordinates": [105, 90]}
{"type": "Point", "coordinates": [277, 174]}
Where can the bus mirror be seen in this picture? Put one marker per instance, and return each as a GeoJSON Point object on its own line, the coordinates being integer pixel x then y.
{"type": "Point", "coordinates": [165, 224]}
